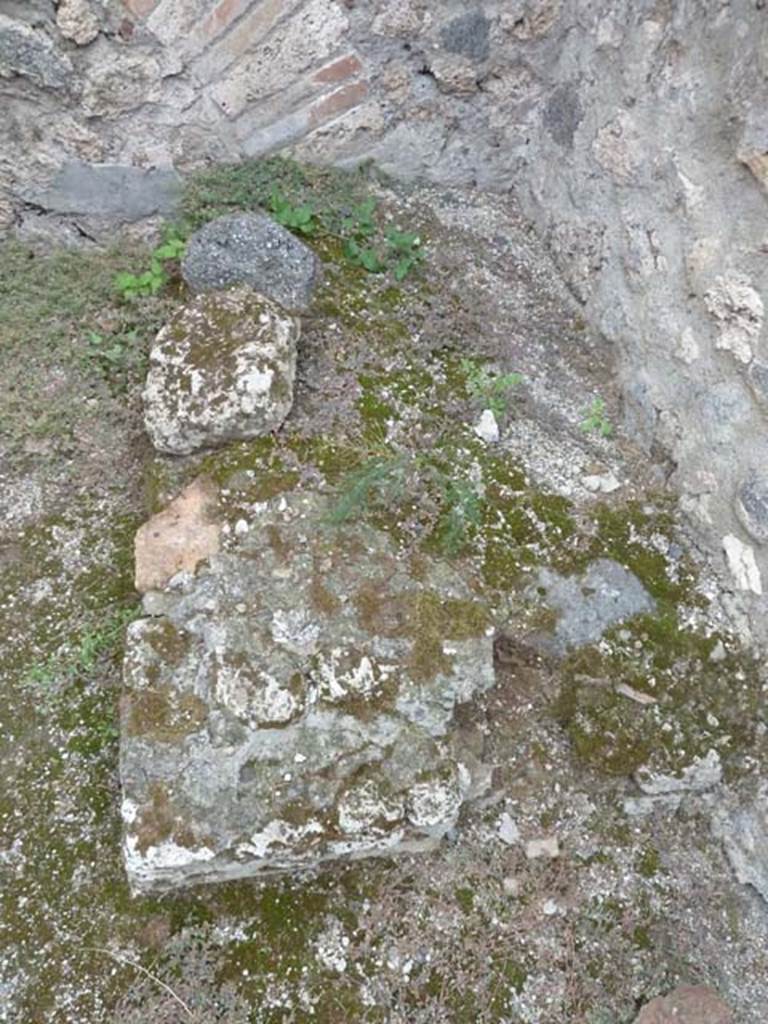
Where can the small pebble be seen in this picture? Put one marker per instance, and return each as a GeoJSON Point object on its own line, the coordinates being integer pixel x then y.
{"type": "Point", "coordinates": [511, 886]}
{"type": "Point", "coordinates": [535, 849]}
{"type": "Point", "coordinates": [507, 830]}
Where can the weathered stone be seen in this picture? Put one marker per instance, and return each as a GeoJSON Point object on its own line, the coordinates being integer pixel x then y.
{"type": "Point", "coordinates": [752, 507]}
{"type": "Point", "coordinates": [251, 249]}
{"type": "Point", "coordinates": [454, 73]}
{"type": "Point", "coordinates": [31, 53]}
{"type": "Point", "coordinates": [295, 704]}
{"type": "Point", "coordinates": [757, 375]}
{"type": "Point", "coordinates": [126, 82]}
{"type": "Point", "coordinates": [744, 834]}
{"type": "Point", "coordinates": [702, 774]}
{"type": "Point", "coordinates": [77, 21]}
{"type": "Point", "coordinates": [546, 848]}
{"type": "Point", "coordinates": [221, 370]}
{"type": "Point", "coordinates": [529, 19]}
{"type": "Point", "coordinates": [563, 113]}
{"type": "Point", "coordinates": [743, 565]}
{"type": "Point", "coordinates": [738, 310]}
{"type": "Point", "coordinates": [587, 605]}
{"type": "Point", "coordinates": [467, 35]}
{"type": "Point", "coordinates": [177, 539]}
{"type": "Point", "coordinates": [486, 428]}
{"type": "Point", "coordinates": [109, 190]}
{"type": "Point", "coordinates": [507, 830]}
{"type": "Point", "coordinates": [687, 1004]}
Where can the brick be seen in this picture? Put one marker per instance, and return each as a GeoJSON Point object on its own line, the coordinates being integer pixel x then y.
{"type": "Point", "coordinates": [338, 70]}
{"type": "Point", "coordinates": [261, 132]}
{"type": "Point", "coordinates": [338, 102]}
{"type": "Point", "coordinates": [251, 30]}
{"type": "Point", "coordinates": [140, 8]}
{"type": "Point", "coordinates": [305, 40]}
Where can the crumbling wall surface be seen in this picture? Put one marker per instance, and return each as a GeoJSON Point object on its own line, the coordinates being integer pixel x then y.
{"type": "Point", "coordinates": [633, 132]}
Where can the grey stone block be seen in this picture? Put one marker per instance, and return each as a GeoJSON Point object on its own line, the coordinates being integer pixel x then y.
{"type": "Point", "coordinates": [120, 191]}
{"type": "Point", "coordinates": [31, 53]}
{"type": "Point", "coordinates": [589, 604]}
{"type": "Point", "coordinates": [295, 704]}
{"type": "Point", "coordinates": [467, 35]}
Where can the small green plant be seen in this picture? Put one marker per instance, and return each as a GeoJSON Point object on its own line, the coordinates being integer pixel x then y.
{"type": "Point", "coordinates": [119, 357]}
{"type": "Point", "coordinates": [462, 512]}
{"type": "Point", "coordinates": [489, 390]}
{"type": "Point", "coordinates": [405, 251]}
{"type": "Point", "coordinates": [61, 669]}
{"type": "Point", "coordinates": [134, 286]}
{"type": "Point", "coordinates": [364, 256]}
{"type": "Point", "coordinates": [298, 218]}
{"type": "Point", "coordinates": [359, 224]}
{"type": "Point", "coordinates": [596, 419]}
{"type": "Point", "coordinates": [398, 250]}
{"type": "Point", "coordinates": [380, 480]}
{"type": "Point", "coordinates": [384, 480]}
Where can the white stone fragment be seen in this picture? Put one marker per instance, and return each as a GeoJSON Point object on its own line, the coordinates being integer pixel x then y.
{"type": "Point", "coordinates": [537, 849]}
{"type": "Point", "coordinates": [605, 483]}
{"type": "Point", "coordinates": [507, 830]}
{"type": "Point", "coordinates": [702, 774]}
{"type": "Point", "coordinates": [742, 563]}
{"type": "Point", "coordinates": [511, 886]}
{"type": "Point", "coordinates": [486, 428]}
{"type": "Point", "coordinates": [687, 350]}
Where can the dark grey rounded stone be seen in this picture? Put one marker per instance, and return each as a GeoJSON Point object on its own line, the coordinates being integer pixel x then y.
{"type": "Point", "coordinates": [251, 249]}
{"type": "Point", "coordinates": [467, 35]}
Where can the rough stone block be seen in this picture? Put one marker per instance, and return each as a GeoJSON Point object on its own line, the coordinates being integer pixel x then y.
{"type": "Point", "coordinates": [78, 21]}
{"type": "Point", "coordinates": [251, 249]}
{"type": "Point", "coordinates": [743, 830]}
{"type": "Point", "coordinates": [221, 370]}
{"type": "Point", "coordinates": [687, 1004]}
{"type": "Point", "coordinates": [295, 704]}
{"type": "Point", "coordinates": [30, 53]}
{"type": "Point", "coordinates": [468, 35]}
{"type": "Point", "coordinates": [109, 190]}
{"type": "Point", "coordinates": [586, 605]}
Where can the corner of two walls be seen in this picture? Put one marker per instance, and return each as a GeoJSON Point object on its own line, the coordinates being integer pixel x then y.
{"type": "Point", "coordinates": [633, 133]}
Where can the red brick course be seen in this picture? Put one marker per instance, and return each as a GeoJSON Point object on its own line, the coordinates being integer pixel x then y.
{"type": "Point", "coordinates": [338, 102]}
{"type": "Point", "coordinates": [339, 70]}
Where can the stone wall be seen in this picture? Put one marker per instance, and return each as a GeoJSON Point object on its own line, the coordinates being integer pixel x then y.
{"type": "Point", "coordinates": [633, 132]}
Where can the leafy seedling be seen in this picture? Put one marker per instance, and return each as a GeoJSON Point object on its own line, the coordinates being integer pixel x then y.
{"type": "Point", "coordinates": [297, 218]}
{"type": "Point", "coordinates": [404, 247]}
{"type": "Point", "coordinates": [364, 256]}
{"type": "Point", "coordinates": [379, 480]}
{"type": "Point", "coordinates": [596, 419]}
{"type": "Point", "coordinates": [489, 390]}
{"type": "Point", "coordinates": [134, 286]}
{"type": "Point", "coordinates": [359, 224]}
